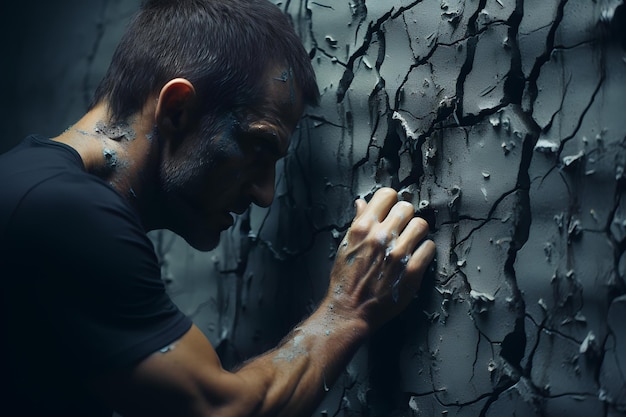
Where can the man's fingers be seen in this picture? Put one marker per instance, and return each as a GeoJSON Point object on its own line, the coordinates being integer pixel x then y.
{"type": "Point", "coordinates": [414, 232]}
{"type": "Point", "coordinates": [411, 279]}
{"type": "Point", "coordinates": [397, 222]}
{"type": "Point", "coordinates": [360, 206]}
{"type": "Point", "coordinates": [380, 204]}
{"type": "Point", "coordinates": [399, 216]}
{"type": "Point", "coordinates": [421, 258]}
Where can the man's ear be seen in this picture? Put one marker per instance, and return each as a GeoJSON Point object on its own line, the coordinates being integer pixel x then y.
{"type": "Point", "coordinates": [175, 107]}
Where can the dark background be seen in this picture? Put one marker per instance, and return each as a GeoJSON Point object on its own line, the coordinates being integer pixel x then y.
{"type": "Point", "coordinates": [53, 55]}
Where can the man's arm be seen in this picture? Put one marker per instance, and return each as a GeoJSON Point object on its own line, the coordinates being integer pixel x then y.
{"type": "Point", "coordinates": [376, 274]}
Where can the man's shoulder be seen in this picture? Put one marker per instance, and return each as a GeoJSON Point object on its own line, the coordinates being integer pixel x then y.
{"type": "Point", "coordinates": [38, 151]}
{"type": "Point", "coordinates": [51, 184]}
{"type": "Point", "coordinates": [79, 200]}
{"type": "Point", "coordinates": [72, 190]}
{"type": "Point", "coordinates": [37, 168]}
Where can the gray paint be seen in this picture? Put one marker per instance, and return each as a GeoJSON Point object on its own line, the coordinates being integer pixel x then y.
{"type": "Point", "coordinates": [503, 120]}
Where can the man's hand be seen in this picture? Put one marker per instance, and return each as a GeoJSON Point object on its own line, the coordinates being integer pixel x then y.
{"type": "Point", "coordinates": [381, 261]}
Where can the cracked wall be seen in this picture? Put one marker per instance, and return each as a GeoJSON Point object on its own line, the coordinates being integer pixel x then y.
{"type": "Point", "coordinates": [501, 120]}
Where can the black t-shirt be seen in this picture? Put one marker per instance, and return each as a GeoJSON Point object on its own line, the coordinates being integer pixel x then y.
{"type": "Point", "coordinates": [80, 282]}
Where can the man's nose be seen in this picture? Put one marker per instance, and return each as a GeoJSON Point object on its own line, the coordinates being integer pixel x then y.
{"type": "Point", "coordinates": [261, 187]}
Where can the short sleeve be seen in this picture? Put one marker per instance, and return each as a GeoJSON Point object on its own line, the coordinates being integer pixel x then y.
{"type": "Point", "coordinates": [95, 277]}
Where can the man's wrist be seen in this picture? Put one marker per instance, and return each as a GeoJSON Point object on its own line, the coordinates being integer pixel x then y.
{"type": "Point", "coordinates": [337, 318]}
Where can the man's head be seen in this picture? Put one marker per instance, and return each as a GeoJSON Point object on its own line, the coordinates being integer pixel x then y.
{"type": "Point", "coordinates": [230, 79]}
{"type": "Point", "coordinates": [220, 46]}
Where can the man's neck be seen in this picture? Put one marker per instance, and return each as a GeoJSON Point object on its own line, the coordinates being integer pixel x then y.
{"type": "Point", "coordinates": [122, 154]}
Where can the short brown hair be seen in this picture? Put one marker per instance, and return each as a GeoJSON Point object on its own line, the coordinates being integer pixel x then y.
{"type": "Point", "coordinates": [221, 46]}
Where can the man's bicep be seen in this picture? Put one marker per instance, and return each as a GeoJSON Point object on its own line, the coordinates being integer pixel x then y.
{"type": "Point", "coordinates": [186, 379]}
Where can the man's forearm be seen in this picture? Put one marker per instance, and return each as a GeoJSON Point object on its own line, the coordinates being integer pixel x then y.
{"type": "Point", "coordinates": [294, 376]}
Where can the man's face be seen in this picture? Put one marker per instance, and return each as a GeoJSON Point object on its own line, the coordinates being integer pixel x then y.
{"type": "Point", "coordinates": [218, 172]}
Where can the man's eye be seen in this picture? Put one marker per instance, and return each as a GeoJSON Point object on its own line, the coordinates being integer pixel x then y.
{"type": "Point", "coordinates": [260, 148]}
{"type": "Point", "coordinates": [266, 146]}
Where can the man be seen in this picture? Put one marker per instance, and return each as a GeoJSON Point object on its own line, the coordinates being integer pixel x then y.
{"type": "Point", "coordinates": [185, 129]}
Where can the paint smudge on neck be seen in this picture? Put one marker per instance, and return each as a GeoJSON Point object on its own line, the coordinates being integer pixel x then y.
{"type": "Point", "coordinates": [116, 131]}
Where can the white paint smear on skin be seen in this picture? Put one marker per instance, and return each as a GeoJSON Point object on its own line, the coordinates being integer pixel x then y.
{"type": "Point", "coordinates": [290, 353]}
